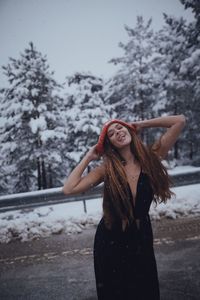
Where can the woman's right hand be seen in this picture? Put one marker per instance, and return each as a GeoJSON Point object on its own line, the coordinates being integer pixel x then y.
{"type": "Point", "coordinates": [92, 154]}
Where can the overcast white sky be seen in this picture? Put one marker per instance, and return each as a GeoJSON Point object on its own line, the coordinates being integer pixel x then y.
{"type": "Point", "coordinates": [76, 35]}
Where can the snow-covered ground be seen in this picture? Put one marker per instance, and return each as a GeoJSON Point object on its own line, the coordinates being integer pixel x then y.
{"type": "Point", "coordinates": [70, 218]}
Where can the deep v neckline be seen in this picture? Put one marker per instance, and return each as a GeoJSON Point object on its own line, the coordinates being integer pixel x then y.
{"type": "Point", "coordinates": [134, 197]}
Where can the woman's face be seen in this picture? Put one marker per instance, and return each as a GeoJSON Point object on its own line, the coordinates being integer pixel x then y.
{"type": "Point", "coordinates": [118, 135]}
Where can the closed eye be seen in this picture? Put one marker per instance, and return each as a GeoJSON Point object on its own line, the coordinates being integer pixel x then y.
{"type": "Point", "coordinates": [119, 126]}
{"type": "Point", "coordinates": [110, 133]}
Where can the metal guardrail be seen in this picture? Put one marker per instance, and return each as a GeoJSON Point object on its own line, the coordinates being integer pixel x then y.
{"type": "Point", "coordinates": [56, 196]}
{"type": "Point", "coordinates": [186, 178]}
{"type": "Point", "coordinates": [45, 197]}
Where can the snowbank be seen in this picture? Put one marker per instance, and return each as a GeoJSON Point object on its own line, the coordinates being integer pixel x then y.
{"type": "Point", "coordinates": [186, 202]}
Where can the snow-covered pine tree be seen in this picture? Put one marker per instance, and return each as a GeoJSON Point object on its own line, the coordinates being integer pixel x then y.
{"type": "Point", "coordinates": [172, 41]}
{"type": "Point", "coordinates": [190, 70]}
{"type": "Point", "coordinates": [3, 179]}
{"type": "Point", "coordinates": [195, 6]}
{"type": "Point", "coordinates": [131, 90]}
{"type": "Point", "coordinates": [31, 126]}
{"type": "Point", "coordinates": [85, 114]}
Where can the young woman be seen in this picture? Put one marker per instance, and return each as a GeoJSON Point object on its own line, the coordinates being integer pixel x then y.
{"type": "Point", "coordinates": [133, 176]}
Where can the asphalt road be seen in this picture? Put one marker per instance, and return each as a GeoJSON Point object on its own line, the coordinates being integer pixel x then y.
{"type": "Point", "coordinates": [61, 266]}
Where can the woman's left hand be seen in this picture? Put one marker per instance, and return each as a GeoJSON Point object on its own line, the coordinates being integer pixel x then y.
{"type": "Point", "coordinates": [137, 125]}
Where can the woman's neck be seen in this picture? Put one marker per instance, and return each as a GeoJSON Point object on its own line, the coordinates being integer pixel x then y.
{"type": "Point", "coordinates": [127, 155]}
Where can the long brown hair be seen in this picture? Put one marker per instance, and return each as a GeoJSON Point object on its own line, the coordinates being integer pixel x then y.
{"type": "Point", "coordinates": [116, 200]}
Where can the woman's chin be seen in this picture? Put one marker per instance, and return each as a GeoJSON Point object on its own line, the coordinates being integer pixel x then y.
{"type": "Point", "coordinates": [122, 145]}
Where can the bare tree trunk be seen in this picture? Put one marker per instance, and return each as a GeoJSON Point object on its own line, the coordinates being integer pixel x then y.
{"type": "Point", "coordinates": [50, 185]}
{"type": "Point", "coordinates": [39, 179]}
{"type": "Point", "coordinates": [44, 180]}
{"type": "Point", "coordinates": [191, 150]}
{"type": "Point", "coordinates": [176, 151]}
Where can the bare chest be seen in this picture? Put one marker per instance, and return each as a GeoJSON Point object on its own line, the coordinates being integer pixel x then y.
{"type": "Point", "coordinates": [133, 175]}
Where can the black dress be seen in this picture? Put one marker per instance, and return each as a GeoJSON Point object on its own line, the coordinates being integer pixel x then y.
{"type": "Point", "coordinates": [124, 261]}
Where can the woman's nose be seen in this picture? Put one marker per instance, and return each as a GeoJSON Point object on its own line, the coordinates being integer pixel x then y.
{"type": "Point", "coordinates": [117, 132]}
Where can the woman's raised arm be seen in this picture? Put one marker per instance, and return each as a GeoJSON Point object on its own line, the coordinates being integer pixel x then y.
{"type": "Point", "coordinates": [175, 124]}
{"type": "Point", "coordinates": [76, 183]}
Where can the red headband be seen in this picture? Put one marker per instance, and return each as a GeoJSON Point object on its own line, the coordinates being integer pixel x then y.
{"type": "Point", "coordinates": [100, 144]}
